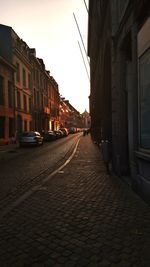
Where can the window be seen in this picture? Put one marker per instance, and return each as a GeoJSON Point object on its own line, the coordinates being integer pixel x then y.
{"type": "Point", "coordinates": [19, 123]}
{"type": "Point", "coordinates": [30, 105]}
{"type": "Point", "coordinates": [24, 77]}
{"type": "Point", "coordinates": [45, 101]}
{"type": "Point", "coordinates": [25, 125]}
{"type": "Point", "coordinates": [30, 125]}
{"type": "Point", "coordinates": [42, 99]}
{"type": "Point", "coordinates": [40, 80]}
{"type": "Point", "coordinates": [10, 95]}
{"type": "Point", "coordinates": [37, 76]}
{"type": "Point", "coordinates": [144, 85]}
{"type": "Point", "coordinates": [18, 100]}
{"type": "Point", "coordinates": [29, 80]}
{"type": "Point", "coordinates": [25, 102]}
{"type": "Point", "coordinates": [1, 90]}
{"type": "Point", "coordinates": [34, 97]}
{"type": "Point", "coordinates": [11, 127]}
{"type": "Point", "coordinates": [34, 74]}
{"type": "Point", "coordinates": [2, 127]}
{"type": "Point", "coordinates": [18, 72]}
{"type": "Point", "coordinates": [38, 99]}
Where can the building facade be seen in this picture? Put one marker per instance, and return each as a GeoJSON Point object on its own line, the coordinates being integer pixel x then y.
{"type": "Point", "coordinates": [23, 88]}
{"type": "Point", "coordinates": [70, 118]}
{"type": "Point", "coordinates": [119, 50]}
{"type": "Point", "coordinates": [7, 101]}
{"type": "Point", "coordinates": [40, 110]}
{"type": "Point", "coordinates": [86, 119]}
{"type": "Point", "coordinates": [29, 95]}
{"type": "Point", "coordinates": [54, 102]}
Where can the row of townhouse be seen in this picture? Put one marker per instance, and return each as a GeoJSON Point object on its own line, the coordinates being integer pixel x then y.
{"type": "Point", "coordinates": [29, 95]}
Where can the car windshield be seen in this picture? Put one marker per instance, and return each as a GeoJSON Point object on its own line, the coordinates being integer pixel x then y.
{"type": "Point", "coordinates": [28, 134]}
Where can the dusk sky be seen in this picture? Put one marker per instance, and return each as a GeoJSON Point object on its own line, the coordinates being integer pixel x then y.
{"type": "Point", "coordinates": [50, 27]}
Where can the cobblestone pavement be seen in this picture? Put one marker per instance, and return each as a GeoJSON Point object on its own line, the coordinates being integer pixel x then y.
{"type": "Point", "coordinates": [80, 217]}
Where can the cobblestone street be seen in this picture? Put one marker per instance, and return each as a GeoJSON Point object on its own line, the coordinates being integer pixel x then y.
{"type": "Point", "coordinates": [80, 217]}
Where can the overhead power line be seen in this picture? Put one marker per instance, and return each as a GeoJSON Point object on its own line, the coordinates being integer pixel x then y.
{"type": "Point", "coordinates": [86, 6]}
{"type": "Point", "coordinates": [81, 38]}
{"type": "Point", "coordinates": [84, 61]}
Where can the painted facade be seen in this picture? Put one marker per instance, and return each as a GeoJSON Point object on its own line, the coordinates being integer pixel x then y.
{"type": "Point", "coordinates": [35, 93]}
{"type": "Point", "coordinates": [54, 99]}
{"type": "Point", "coordinates": [23, 89]}
{"type": "Point", "coordinates": [36, 99]}
{"type": "Point", "coordinates": [7, 101]}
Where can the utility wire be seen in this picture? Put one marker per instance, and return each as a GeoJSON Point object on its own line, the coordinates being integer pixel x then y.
{"type": "Point", "coordinates": [86, 6]}
{"type": "Point", "coordinates": [81, 38]}
{"type": "Point", "coordinates": [84, 61]}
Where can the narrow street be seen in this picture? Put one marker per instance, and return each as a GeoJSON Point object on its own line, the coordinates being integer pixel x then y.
{"type": "Point", "coordinates": [75, 89]}
{"type": "Point", "coordinates": [78, 217]}
{"type": "Point", "coordinates": [29, 165]}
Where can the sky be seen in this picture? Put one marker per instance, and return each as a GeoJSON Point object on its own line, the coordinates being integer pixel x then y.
{"type": "Point", "coordinates": [50, 27]}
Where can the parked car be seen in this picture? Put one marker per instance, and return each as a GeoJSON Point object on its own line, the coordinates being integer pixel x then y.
{"type": "Point", "coordinates": [58, 134]}
{"type": "Point", "coordinates": [72, 130]}
{"type": "Point", "coordinates": [49, 136]}
{"type": "Point", "coordinates": [65, 131]}
{"type": "Point", "coordinates": [30, 138]}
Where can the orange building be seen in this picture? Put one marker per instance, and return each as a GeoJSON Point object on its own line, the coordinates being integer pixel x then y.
{"type": "Point", "coordinates": [45, 97]}
{"type": "Point", "coordinates": [69, 116]}
{"type": "Point", "coordinates": [23, 86]}
{"type": "Point", "coordinates": [54, 102]}
{"type": "Point", "coordinates": [35, 94]}
{"type": "Point", "coordinates": [7, 108]}
{"type": "Point", "coordinates": [40, 111]}
{"type": "Point", "coordinates": [64, 114]}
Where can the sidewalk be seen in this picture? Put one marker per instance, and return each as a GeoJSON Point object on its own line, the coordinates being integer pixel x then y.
{"type": "Point", "coordinates": [80, 217]}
